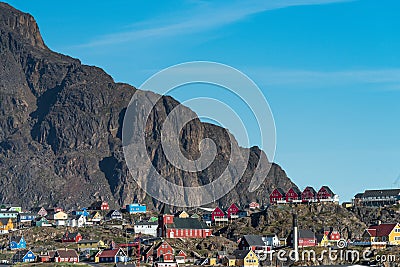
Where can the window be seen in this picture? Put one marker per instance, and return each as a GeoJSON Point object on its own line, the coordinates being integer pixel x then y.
{"type": "Point", "coordinates": [397, 238]}
{"type": "Point", "coordinates": [397, 230]}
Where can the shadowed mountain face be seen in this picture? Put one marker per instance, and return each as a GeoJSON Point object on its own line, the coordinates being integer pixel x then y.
{"type": "Point", "coordinates": [61, 128]}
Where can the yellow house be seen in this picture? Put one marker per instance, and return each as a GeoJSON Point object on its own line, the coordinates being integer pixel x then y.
{"type": "Point", "coordinates": [213, 261]}
{"type": "Point", "coordinates": [229, 260]}
{"type": "Point", "coordinates": [58, 216]}
{"type": "Point", "coordinates": [322, 240]}
{"type": "Point", "coordinates": [385, 232]}
{"type": "Point", "coordinates": [183, 214]}
{"type": "Point", "coordinates": [6, 224]}
{"type": "Point", "coordinates": [90, 244]}
{"type": "Point", "coordinates": [246, 258]}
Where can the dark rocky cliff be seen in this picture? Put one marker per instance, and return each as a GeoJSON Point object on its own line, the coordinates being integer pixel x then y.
{"type": "Point", "coordinates": [60, 130]}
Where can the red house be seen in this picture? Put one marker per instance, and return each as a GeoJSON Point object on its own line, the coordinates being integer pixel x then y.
{"type": "Point", "coordinates": [181, 257]}
{"type": "Point", "coordinates": [164, 252]}
{"type": "Point", "coordinates": [306, 238]}
{"type": "Point", "coordinates": [277, 195]}
{"type": "Point", "coordinates": [217, 213]}
{"type": "Point", "coordinates": [325, 193]}
{"type": "Point", "coordinates": [233, 211]}
{"type": "Point", "coordinates": [71, 237]}
{"type": "Point", "coordinates": [293, 195]}
{"type": "Point", "coordinates": [332, 234]}
{"type": "Point", "coordinates": [309, 194]}
{"type": "Point", "coordinates": [100, 205]}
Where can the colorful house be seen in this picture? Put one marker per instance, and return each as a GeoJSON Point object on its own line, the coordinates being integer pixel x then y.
{"type": "Point", "coordinates": [40, 211]}
{"type": "Point", "coordinates": [325, 194]}
{"type": "Point", "coordinates": [183, 214]}
{"type": "Point", "coordinates": [66, 255]}
{"type": "Point", "coordinates": [9, 214]}
{"type": "Point", "coordinates": [146, 228]}
{"type": "Point", "coordinates": [163, 252]}
{"type": "Point", "coordinates": [218, 215]}
{"type": "Point", "coordinates": [229, 260]}
{"type": "Point", "coordinates": [83, 212]}
{"type": "Point", "coordinates": [26, 217]}
{"type": "Point", "coordinates": [293, 195]}
{"type": "Point", "coordinates": [114, 215]}
{"type": "Point", "coordinates": [135, 208]}
{"type": "Point", "coordinates": [306, 238]}
{"type": "Point", "coordinates": [111, 255]}
{"type": "Point", "coordinates": [309, 194]}
{"type": "Point", "coordinates": [233, 211]}
{"type": "Point", "coordinates": [276, 196]}
{"type": "Point", "coordinates": [41, 222]}
{"type": "Point", "coordinates": [23, 256]}
{"type": "Point", "coordinates": [385, 232]}
{"type": "Point", "coordinates": [90, 244]}
{"type": "Point", "coordinates": [252, 242]}
{"type": "Point", "coordinates": [181, 257]}
{"type": "Point", "coordinates": [71, 237]}
{"type": "Point", "coordinates": [95, 217]}
{"type": "Point", "coordinates": [17, 242]}
{"type": "Point", "coordinates": [172, 227]}
{"type": "Point", "coordinates": [6, 224]}
{"type": "Point", "coordinates": [245, 258]}
{"type": "Point", "coordinates": [100, 205]}
{"type": "Point", "coordinates": [331, 233]}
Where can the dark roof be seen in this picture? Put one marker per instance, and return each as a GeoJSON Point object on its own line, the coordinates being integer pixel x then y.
{"type": "Point", "coordinates": [327, 189]}
{"type": "Point", "coordinates": [4, 221]}
{"type": "Point", "coordinates": [188, 223]}
{"type": "Point", "coordinates": [380, 230]}
{"type": "Point", "coordinates": [296, 190]}
{"type": "Point", "coordinates": [110, 253]}
{"type": "Point", "coordinates": [240, 254]}
{"type": "Point", "coordinates": [359, 195]}
{"type": "Point", "coordinates": [70, 235]}
{"type": "Point", "coordinates": [16, 239]}
{"type": "Point", "coordinates": [319, 237]}
{"type": "Point", "coordinates": [311, 189]}
{"type": "Point", "coordinates": [165, 210]}
{"type": "Point", "coordinates": [146, 223]}
{"type": "Point", "coordinates": [381, 193]}
{"type": "Point", "coordinates": [280, 190]}
{"type": "Point", "coordinates": [254, 240]}
{"type": "Point", "coordinates": [19, 255]}
{"type": "Point", "coordinates": [67, 253]}
{"type": "Point", "coordinates": [304, 233]}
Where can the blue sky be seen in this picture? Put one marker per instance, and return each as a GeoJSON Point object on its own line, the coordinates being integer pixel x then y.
{"type": "Point", "coordinates": [330, 70]}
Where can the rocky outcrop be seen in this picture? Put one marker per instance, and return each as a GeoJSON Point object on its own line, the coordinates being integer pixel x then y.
{"type": "Point", "coordinates": [61, 126]}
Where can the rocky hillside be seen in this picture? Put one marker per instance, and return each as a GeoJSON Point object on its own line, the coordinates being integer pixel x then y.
{"type": "Point", "coordinates": [60, 131]}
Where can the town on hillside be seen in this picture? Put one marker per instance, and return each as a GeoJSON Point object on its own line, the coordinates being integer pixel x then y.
{"type": "Point", "coordinates": [134, 235]}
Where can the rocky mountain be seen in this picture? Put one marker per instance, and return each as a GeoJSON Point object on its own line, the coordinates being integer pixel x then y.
{"type": "Point", "coordinates": [61, 127]}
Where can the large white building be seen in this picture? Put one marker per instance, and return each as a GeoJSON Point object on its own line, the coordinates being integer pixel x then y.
{"type": "Point", "coordinates": [146, 228]}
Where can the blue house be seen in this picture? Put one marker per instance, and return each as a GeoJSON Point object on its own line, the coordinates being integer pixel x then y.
{"type": "Point", "coordinates": [17, 242]}
{"type": "Point", "coordinates": [26, 217]}
{"type": "Point", "coordinates": [83, 212]}
{"type": "Point", "coordinates": [23, 256]}
{"type": "Point", "coordinates": [135, 208]}
{"type": "Point", "coordinates": [9, 214]}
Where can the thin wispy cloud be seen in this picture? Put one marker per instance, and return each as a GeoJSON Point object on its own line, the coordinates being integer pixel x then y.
{"type": "Point", "coordinates": [208, 15]}
{"type": "Point", "coordinates": [382, 79]}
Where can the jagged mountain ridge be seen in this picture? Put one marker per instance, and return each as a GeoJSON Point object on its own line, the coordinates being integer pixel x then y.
{"type": "Point", "coordinates": [60, 130]}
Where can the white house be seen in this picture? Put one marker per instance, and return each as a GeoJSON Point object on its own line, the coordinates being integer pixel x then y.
{"type": "Point", "coordinates": [271, 240]}
{"type": "Point", "coordinates": [146, 228]}
{"type": "Point", "coordinates": [77, 221]}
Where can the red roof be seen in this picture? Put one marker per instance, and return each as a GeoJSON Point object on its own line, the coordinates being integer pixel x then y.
{"type": "Point", "coordinates": [109, 253]}
{"type": "Point", "coordinates": [383, 229]}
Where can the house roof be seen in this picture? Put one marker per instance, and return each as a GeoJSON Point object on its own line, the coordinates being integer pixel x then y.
{"type": "Point", "coordinates": [305, 233]}
{"type": "Point", "coordinates": [146, 223]}
{"type": "Point", "coordinates": [280, 190]}
{"type": "Point", "coordinates": [358, 195]}
{"type": "Point", "coordinates": [296, 190]}
{"type": "Point", "coordinates": [67, 253]}
{"type": "Point", "coordinates": [240, 254]}
{"type": "Point", "coordinates": [254, 240]}
{"type": "Point", "coordinates": [109, 253]}
{"type": "Point", "coordinates": [159, 245]}
{"type": "Point", "coordinates": [327, 189]}
{"type": "Point", "coordinates": [16, 239]}
{"type": "Point", "coordinates": [85, 241]}
{"type": "Point", "coordinates": [381, 193]}
{"type": "Point", "coordinates": [71, 235]}
{"type": "Point", "coordinates": [310, 188]}
{"type": "Point", "coordinates": [380, 230]}
{"type": "Point", "coordinates": [165, 210]}
{"type": "Point", "coordinates": [4, 221]}
{"type": "Point", "coordinates": [19, 255]}
{"type": "Point", "coordinates": [188, 223]}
